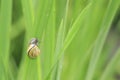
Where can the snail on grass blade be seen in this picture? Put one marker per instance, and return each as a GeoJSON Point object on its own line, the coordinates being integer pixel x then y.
{"type": "Point", "coordinates": [33, 51]}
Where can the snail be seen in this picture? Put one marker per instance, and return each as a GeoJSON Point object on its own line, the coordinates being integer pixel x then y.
{"type": "Point", "coordinates": [33, 51]}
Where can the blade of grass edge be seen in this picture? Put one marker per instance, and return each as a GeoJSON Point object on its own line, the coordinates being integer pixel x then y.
{"type": "Point", "coordinates": [49, 42]}
{"type": "Point", "coordinates": [71, 34]}
{"type": "Point", "coordinates": [75, 28]}
{"type": "Point", "coordinates": [111, 65]}
{"type": "Point", "coordinates": [25, 64]}
{"type": "Point", "coordinates": [5, 23]}
{"type": "Point", "coordinates": [60, 34]}
{"type": "Point", "coordinates": [105, 26]}
{"type": "Point", "coordinates": [60, 42]}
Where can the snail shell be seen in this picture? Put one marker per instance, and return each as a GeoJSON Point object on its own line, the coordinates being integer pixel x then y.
{"type": "Point", "coordinates": [33, 50]}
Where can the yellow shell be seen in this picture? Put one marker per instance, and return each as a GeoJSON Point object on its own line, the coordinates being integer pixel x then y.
{"type": "Point", "coordinates": [33, 51]}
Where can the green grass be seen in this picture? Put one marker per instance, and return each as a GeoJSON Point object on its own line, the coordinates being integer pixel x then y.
{"type": "Point", "coordinates": [73, 39]}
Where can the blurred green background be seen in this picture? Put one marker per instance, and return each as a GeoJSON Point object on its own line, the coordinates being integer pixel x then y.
{"type": "Point", "coordinates": [78, 39]}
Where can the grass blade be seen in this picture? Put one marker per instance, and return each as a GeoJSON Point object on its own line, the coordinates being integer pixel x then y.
{"type": "Point", "coordinates": [5, 24]}
{"type": "Point", "coordinates": [71, 34]}
{"type": "Point", "coordinates": [28, 66]}
{"type": "Point", "coordinates": [111, 65]}
{"type": "Point", "coordinates": [49, 41]}
{"type": "Point", "coordinates": [57, 49]}
{"type": "Point", "coordinates": [75, 27]}
{"type": "Point", "coordinates": [60, 42]}
{"type": "Point", "coordinates": [105, 26]}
